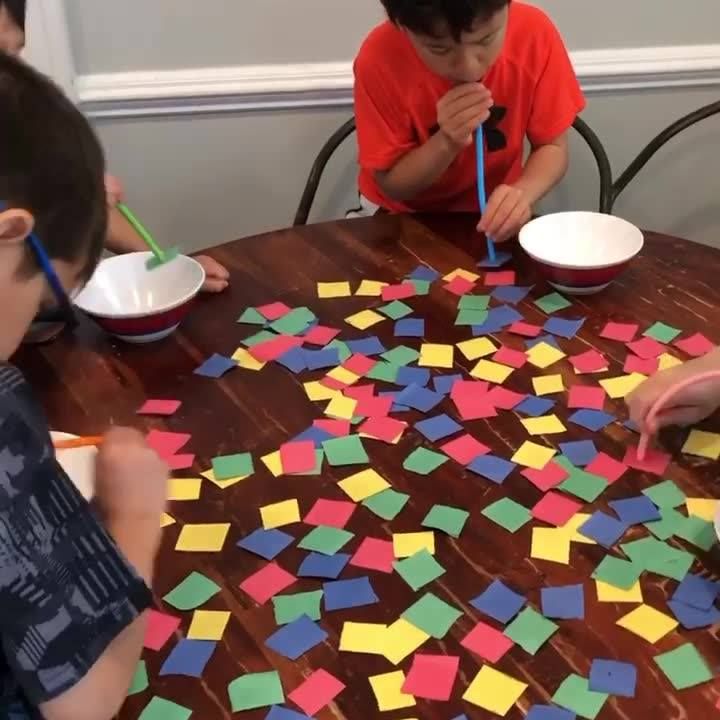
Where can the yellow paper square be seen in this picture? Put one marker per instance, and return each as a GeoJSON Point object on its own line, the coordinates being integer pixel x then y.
{"type": "Point", "coordinates": [245, 360]}
{"type": "Point", "coordinates": [703, 444]}
{"type": "Point", "coordinates": [610, 594]}
{"type": "Point", "coordinates": [208, 625]}
{"type": "Point", "coordinates": [648, 623]}
{"type": "Point", "coordinates": [548, 384]}
{"type": "Point", "coordinates": [437, 356]}
{"type": "Point", "coordinates": [491, 371]}
{"type": "Point", "coordinates": [667, 361]}
{"type": "Point", "coordinates": [341, 407]}
{"type": "Point", "coordinates": [343, 375]}
{"type": "Point", "coordinates": [273, 463]}
{"type": "Point", "coordinates": [466, 274]}
{"type": "Point", "coordinates": [279, 514]}
{"type": "Point", "coordinates": [363, 485]}
{"type": "Point", "coordinates": [533, 456]}
{"type": "Point", "coordinates": [166, 520]}
{"type": "Point", "coordinates": [223, 484]}
{"type": "Point", "coordinates": [545, 425]}
{"type": "Point", "coordinates": [407, 544]}
{"type": "Point", "coordinates": [184, 488]}
{"type": "Point", "coordinates": [494, 691]}
{"type": "Point", "coordinates": [550, 544]}
{"type": "Point", "coordinates": [316, 391]}
{"type": "Point", "coordinates": [619, 387]}
{"type": "Point", "coordinates": [370, 288]}
{"type": "Point", "coordinates": [363, 638]}
{"type": "Point", "coordinates": [543, 355]}
{"type": "Point", "coordinates": [388, 691]}
{"type": "Point", "coordinates": [202, 538]}
{"type": "Point", "coordinates": [704, 508]}
{"type": "Point", "coordinates": [477, 348]}
{"type": "Point", "coordinates": [364, 319]}
{"type": "Point", "coordinates": [572, 526]}
{"type": "Point", "coordinates": [333, 289]}
{"type": "Point", "coordinates": [403, 639]}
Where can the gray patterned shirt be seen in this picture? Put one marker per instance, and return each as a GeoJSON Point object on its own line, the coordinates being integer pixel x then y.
{"type": "Point", "coordinates": [66, 592]}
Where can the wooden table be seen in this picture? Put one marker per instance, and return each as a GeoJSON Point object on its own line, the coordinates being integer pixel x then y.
{"type": "Point", "coordinates": [90, 381]}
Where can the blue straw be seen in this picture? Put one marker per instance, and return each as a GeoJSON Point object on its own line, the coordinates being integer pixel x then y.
{"type": "Point", "coordinates": [482, 194]}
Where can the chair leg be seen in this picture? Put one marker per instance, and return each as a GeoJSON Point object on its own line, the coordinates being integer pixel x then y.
{"type": "Point", "coordinates": [603, 163]}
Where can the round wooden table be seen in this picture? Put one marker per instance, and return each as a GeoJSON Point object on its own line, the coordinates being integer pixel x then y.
{"type": "Point", "coordinates": [88, 381]}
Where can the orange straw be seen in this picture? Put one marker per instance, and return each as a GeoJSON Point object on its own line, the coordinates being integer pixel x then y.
{"type": "Point", "coordinates": [79, 442]}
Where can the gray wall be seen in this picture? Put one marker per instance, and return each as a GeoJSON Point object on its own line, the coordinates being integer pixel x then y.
{"type": "Point", "coordinates": [201, 180]}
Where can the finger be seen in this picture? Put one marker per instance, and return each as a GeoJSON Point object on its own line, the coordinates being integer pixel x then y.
{"type": "Point", "coordinates": [213, 268]}
{"type": "Point", "coordinates": [678, 416]}
{"type": "Point", "coordinates": [214, 286]}
{"type": "Point", "coordinates": [494, 202]}
{"type": "Point", "coordinates": [466, 90]}
{"type": "Point", "coordinates": [501, 212]}
{"type": "Point", "coordinates": [511, 227]}
{"type": "Point", "coordinates": [468, 104]}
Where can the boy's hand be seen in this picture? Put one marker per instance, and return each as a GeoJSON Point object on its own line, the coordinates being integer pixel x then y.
{"type": "Point", "coordinates": [217, 278]}
{"type": "Point", "coordinates": [508, 210]}
{"type": "Point", "coordinates": [114, 190]}
{"type": "Point", "coordinates": [462, 111]}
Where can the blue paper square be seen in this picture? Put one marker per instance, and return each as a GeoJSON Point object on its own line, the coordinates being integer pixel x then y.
{"type": "Point", "coordinates": [316, 434]}
{"type": "Point", "coordinates": [492, 468]}
{"type": "Point", "coordinates": [410, 327]}
{"type": "Point", "coordinates": [489, 327]}
{"type": "Point", "coordinates": [438, 427]}
{"type": "Point", "coordinates": [613, 678]}
{"type": "Point", "coordinates": [396, 408]}
{"type": "Point", "coordinates": [512, 294]}
{"type": "Point", "coordinates": [501, 258]}
{"type": "Point", "coordinates": [593, 420]}
{"type": "Point", "coordinates": [580, 452]}
{"type": "Point", "coordinates": [278, 712]}
{"type": "Point", "coordinates": [504, 314]}
{"type": "Point", "coordinates": [407, 375]}
{"type": "Point", "coordinates": [499, 602]}
{"type": "Point", "coordinates": [316, 565]}
{"type": "Point", "coordinates": [549, 712]}
{"type": "Point", "coordinates": [293, 360]}
{"type": "Point", "coordinates": [423, 272]}
{"type": "Point", "coordinates": [635, 510]}
{"type": "Point", "coordinates": [343, 594]}
{"type": "Point", "coordinates": [267, 544]}
{"type": "Point", "coordinates": [322, 359]}
{"type": "Point", "coordinates": [691, 618]}
{"type": "Point", "coordinates": [215, 366]}
{"type": "Point", "coordinates": [188, 657]}
{"type": "Point", "coordinates": [564, 328]}
{"type": "Point", "coordinates": [697, 592]}
{"type": "Point", "coordinates": [419, 398]}
{"type": "Point", "coordinates": [548, 339]}
{"type": "Point", "coordinates": [534, 406]}
{"type": "Point", "coordinates": [563, 603]}
{"type": "Point", "coordinates": [443, 384]}
{"type": "Point", "coordinates": [367, 346]}
{"type": "Point", "coordinates": [296, 638]}
{"type": "Point", "coordinates": [603, 528]}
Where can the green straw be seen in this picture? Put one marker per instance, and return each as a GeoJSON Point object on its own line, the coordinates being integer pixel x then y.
{"type": "Point", "coordinates": [160, 256]}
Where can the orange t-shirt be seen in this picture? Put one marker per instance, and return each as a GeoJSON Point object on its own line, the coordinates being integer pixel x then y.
{"type": "Point", "coordinates": [536, 94]}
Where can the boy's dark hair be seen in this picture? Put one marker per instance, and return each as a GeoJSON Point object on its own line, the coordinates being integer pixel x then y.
{"type": "Point", "coordinates": [428, 17]}
{"type": "Point", "coordinates": [17, 10]}
{"type": "Point", "coordinates": [51, 164]}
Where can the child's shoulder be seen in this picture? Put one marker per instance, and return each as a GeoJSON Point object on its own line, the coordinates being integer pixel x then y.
{"type": "Point", "coordinates": [385, 42]}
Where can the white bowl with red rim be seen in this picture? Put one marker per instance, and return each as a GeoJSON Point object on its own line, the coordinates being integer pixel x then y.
{"type": "Point", "coordinates": [581, 253]}
{"type": "Point", "coordinates": [140, 305]}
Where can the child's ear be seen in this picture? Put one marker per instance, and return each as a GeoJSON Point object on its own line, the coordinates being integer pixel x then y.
{"type": "Point", "coordinates": [15, 225]}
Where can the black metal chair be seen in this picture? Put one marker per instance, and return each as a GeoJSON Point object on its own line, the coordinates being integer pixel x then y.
{"type": "Point", "coordinates": [637, 165]}
{"type": "Point", "coordinates": [344, 132]}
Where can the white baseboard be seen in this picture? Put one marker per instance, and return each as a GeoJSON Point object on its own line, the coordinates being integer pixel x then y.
{"type": "Point", "coordinates": [278, 87]}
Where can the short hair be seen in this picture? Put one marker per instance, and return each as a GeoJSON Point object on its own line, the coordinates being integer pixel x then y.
{"type": "Point", "coordinates": [426, 17]}
{"type": "Point", "coordinates": [51, 165]}
{"type": "Point", "coordinates": [17, 10]}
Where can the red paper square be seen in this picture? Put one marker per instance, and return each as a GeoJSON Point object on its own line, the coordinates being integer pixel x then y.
{"type": "Point", "coordinates": [487, 642]}
{"type": "Point", "coordinates": [160, 628]}
{"type": "Point", "coordinates": [332, 383]}
{"type": "Point", "coordinates": [298, 457]}
{"type": "Point", "coordinates": [460, 286]}
{"type": "Point", "coordinates": [469, 388]}
{"type": "Point", "coordinates": [503, 398]}
{"type": "Point", "coordinates": [267, 582]}
{"type": "Point", "coordinates": [374, 406]}
{"type": "Point", "coordinates": [359, 364]}
{"type": "Point", "coordinates": [607, 467]}
{"type": "Point", "coordinates": [474, 408]}
{"type": "Point", "coordinates": [338, 428]}
{"type": "Point", "coordinates": [399, 292]}
{"type": "Point", "coordinates": [647, 347]}
{"type": "Point", "coordinates": [360, 391]}
{"type": "Point", "coordinates": [547, 478]}
{"type": "Point", "coordinates": [374, 554]}
{"type": "Point", "coordinates": [590, 361]}
{"type": "Point", "coordinates": [274, 311]}
{"type": "Point", "coordinates": [331, 513]}
{"type": "Point", "coordinates": [432, 676]}
{"type": "Point", "coordinates": [555, 509]}
{"type": "Point", "coordinates": [317, 692]}
{"type": "Point", "coordinates": [502, 277]}
{"type": "Point", "coordinates": [696, 346]}
{"type": "Point", "coordinates": [635, 364]}
{"type": "Point", "coordinates": [166, 444]}
{"type": "Point", "coordinates": [159, 407]}
{"type": "Point", "coordinates": [512, 358]}
{"type": "Point", "coordinates": [655, 461]}
{"type": "Point", "coordinates": [180, 462]}
{"type": "Point", "coordinates": [320, 335]}
{"type": "Point", "coordinates": [465, 449]}
{"type": "Point", "coordinates": [383, 428]}
{"type": "Point", "coordinates": [273, 349]}
{"type": "Point", "coordinates": [587, 398]}
{"type": "Point", "coordinates": [525, 329]}
{"type": "Point", "coordinates": [623, 332]}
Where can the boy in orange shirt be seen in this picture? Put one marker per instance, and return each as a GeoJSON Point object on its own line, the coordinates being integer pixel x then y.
{"type": "Point", "coordinates": [426, 80]}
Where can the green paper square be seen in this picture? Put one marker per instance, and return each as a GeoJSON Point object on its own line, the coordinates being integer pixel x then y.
{"type": "Point", "coordinates": [584, 485]}
{"type": "Point", "coordinates": [423, 461]}
{"type": "Point", "coordinates": [666, 494]}
{"type": "Point", "coordinates": [252, 317]}
{"type": "Point", "coordinates": [419, 569]}
{"type": "Point", "coordinates": [575, 694]}
{"type": "Point", "coordinates": [619, 573]}
{"type": "Point", "coordinates": [160, 709]}
{"type": "Point", "coordinates": [432, 615]}
{"type": "Point", "coordinates": [257, 338]}
{"type": "Point", "coordinates": [659, 557]}
{"type": "Point", "coordinates": [662, 333]}
{"type": "Point", "coordinates": [564, 462]}
{"type": "Point", "coordinates": [530, 630]}
{"type": "Point", "coordinates": [401, 355]}
{"type": "Point", "coordinates": [295, 322]}
{"type": "Point", "coordinates": [698, 532]}
{"type": "Point", "coordinates": [345, 451]}
{"type": "Point", "coordinates": [422, 287]}
{"type": "Point", "coordinates": [256, 690]}
{"type": "Point", "coordinates": [342, 348]}
{"type": "Point", "coordinates": [325, 540]}
{"type": "Point", "coordinates": [448, 519]}
{"type": "Point", "coordinates": [195, 590]}
{"type": "Point", "coordinates": [552, 303]}
{"type": "Point", "coordinates": [231, 466]}
{"type": "Point", "coordinates": [385, 371]}
{"type": "Point", "coordinates": [471, 317]}
{"type": "Point", "coordinates": [140, 681]}
{"type": "Point", "coordinates": [508, 514]}
{"type": "Point", "coordinates": [387, 504]}
{"type": "Point", "coordinates": [474, 302]}
{"type": "Point", "coordinates": [685, 667]}
{"type": "Point", "coordinates": [396, 310]}
{"type": "Point", "coordinates": [670, 523]}
{"type": "Point", "coordinates": [642, 551]}
{"type": "Point", "coordinates": [291, 607]}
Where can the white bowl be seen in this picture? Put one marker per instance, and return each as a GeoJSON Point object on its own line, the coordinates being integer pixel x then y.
{"type": "Point", "coordinates": [581, 252]}
{"type": "Point", "coordinates": [78, 463]}
{"type": "Point", "coordinates": [140, 305]}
